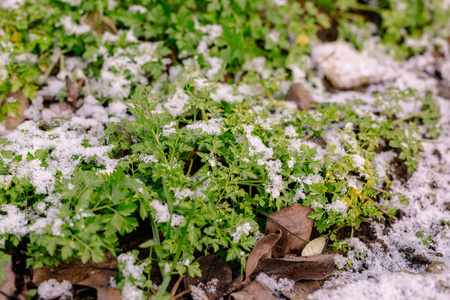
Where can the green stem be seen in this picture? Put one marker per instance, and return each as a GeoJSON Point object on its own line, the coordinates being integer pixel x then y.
{"type": "Point", "coordinates": [334, 127]}
{"type": "Point", "coordinates": [167, 277]}
{"type": "Point", "coordinates": [401, 120]}
{"type": "Point", "coordinates": [431, 141]}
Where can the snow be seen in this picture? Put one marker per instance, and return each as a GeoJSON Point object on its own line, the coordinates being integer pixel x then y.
{"type": "Point", "coordinates": [211, 127]}
{"type": "Point", "coordinates": [163, 214]}
{"type": "Point", "coordinates": [176, 102]}
{"type": "Point", "coordinates": [346, 68]}
{"type": "Point", "coordinates": [274, 284]}
{"type": "Point", "coordinates": [398, 285]}
{"type": "Point", "coordinates": [52, 289]}
{"type": "Point", "coordinates": [243, 229]}
{"type": "Point", "coordinates": [72, 28]}
{"type": "Point", "coordinates": [130, 269]}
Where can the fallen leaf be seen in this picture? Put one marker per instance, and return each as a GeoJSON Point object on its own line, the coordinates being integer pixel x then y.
{"type": "Point", "coordinates": [443, 91]}
{"type": "Point", "coordinates": [8, 285]}
{"type": "Point", "coordinates": [216, 276]}
{"type": "Point", "coordinates": [314, 247]}
{"type": "Point", "coordinates": [262, 249]}
{"type": "Point", "coordinates": [299, 268]}
{"type": "Point", "coordinates": [90, 274]}
{"type": "Point", "coordinates": [12, 122]}
{"type": "Point", "coordinates": [302, 288]}
{"type": "Point", "coordinates": [299, 94]}
{"type": "Point", "coordinates": [108, 293]}
{"type": "Point", "coordinates": [106, 24]}
{"type": "Point", "coordinates": [255, 290]}
{"type": "Point", "coordinates": [295, 227]}
{"type": "Point", "coordinates": [73, 88]}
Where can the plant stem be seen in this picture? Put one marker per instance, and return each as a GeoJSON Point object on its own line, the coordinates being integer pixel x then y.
{"type": "Point", "coordinates": [431, 141]}
{"type": "Point", "coordinates": [167, 277]}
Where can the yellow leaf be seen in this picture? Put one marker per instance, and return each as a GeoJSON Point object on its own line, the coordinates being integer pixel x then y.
{"type": "Point", "coordinates": [314, 247]}
{"type": "Point", "coordinates": [302, 40]}
{"type": "Point", "coordinates": [15, 37]}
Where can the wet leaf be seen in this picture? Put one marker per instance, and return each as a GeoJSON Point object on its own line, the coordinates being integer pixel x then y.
{"type": "Point", "coordinates": [314, 247]}
{"type": "Point", "coordinates": [299, 268]}
{"type": "Point", "coordinates": [295, 227]}
{"type": "Point", "coordinates": [255, 290]}
{"type": "Point", "coordinates": [262, 249]}
{"type": "Point", "coordinates": [216, 276]}
{"type": "Point", "coordinates": [299, 94]}
{"type": "Point", "coordinates": [302, 288]}
{"type": "Point", "coordinates": [90, 274]}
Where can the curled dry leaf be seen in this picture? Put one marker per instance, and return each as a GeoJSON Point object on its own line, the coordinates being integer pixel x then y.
{"type": "Point", "coordinates": [90, 274]}
{"type": "Point", "coordinates": [314, 247]}
{"type": "Point", "coordinates": [8, 284]}
{"type": "Point", "coordinates": [255, 290]}
{"type": "Point", "coordinates": [302, 288]}
{"type": "Point", "coordinates": [299, 268]}
{"type": "Point", "coordinates": [295, 227]}
{"type": "Point", "coordinates": [215, 274]}
{"type": "Point", "coordinates": [299, 94]}
{"type": "Point", "coordinates": [262, 249]}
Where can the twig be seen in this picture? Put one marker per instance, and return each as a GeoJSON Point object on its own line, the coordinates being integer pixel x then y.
{"type": "Point", "coordinates": [196, 293]}
{"type": "Point", "coordinates": [180, 295]}
{"type": "Point", "coordinates": [175, 287]}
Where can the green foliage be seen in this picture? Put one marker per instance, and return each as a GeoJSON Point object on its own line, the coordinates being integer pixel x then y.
{"type": "Point", "coordinates": [4, 258]}
{"type": "Point", "coordinates": [405, 26]}
{"type": "Point", "coordinates": [425, 240]}
{"type": "Point", "coordinates": [200, 172]}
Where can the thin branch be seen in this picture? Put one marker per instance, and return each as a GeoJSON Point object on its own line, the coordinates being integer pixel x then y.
{"type": "Point", "coordinates": [175, 287]}
{"type": "Point", "coordinates": [196, 293]}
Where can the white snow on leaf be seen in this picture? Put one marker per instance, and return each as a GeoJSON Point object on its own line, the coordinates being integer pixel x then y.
{"type": "Point", "coordinates": [176, 102]}
{"type": "Point", "coordinates": [163, 214]}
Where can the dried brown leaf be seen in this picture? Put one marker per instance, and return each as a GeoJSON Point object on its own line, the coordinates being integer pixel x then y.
{"type": "Point", "coordinates": [214, 272]}
{"type": "Point", "coordinates": [299, 94]}
{"type": "Point", "coordinates": [236, 285]}
{"type": "Point", "coordinates": [443, 91]}
{"type": "Point", "coordinates": [106, 24]}
{"type": "Point", "coordinates": [8, 286]}
{"type": "Point", "coordinates": [90, 274]}
{"type": "Point", "coordinates": [12, 122]}
{"type": "Point", "coordinates": [255, 290]}
{"type": "Point", "coordinates": [302, 288]}
{"type": "Point", "coordinates": [108, 293]}
{"type": "Point", "coordinates": [299, 268]}
{"type": "Point", "coordinates": [262, 249]}
{"type": "Point", "coordinates": [73, 88]}
{"type": "Point", "coordinates": [295, 227]}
